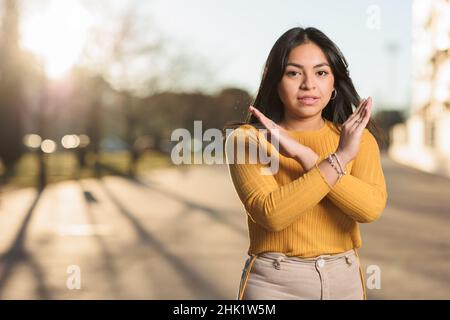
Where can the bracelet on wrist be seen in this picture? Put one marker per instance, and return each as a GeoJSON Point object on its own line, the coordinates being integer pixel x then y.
{"type": "Point", "coordinates": [339, 162]}
{"type": "Point", "coordinates": [336, 167]}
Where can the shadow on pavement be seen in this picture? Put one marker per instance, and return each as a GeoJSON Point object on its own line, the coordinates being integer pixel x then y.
{"type": "Point", "coordinates": [18, 255]}
{"type": "Point", "coordinates": [193, 279]}
{"type": "Point", "coordinates": [107, 257]}
{"type": "Point", "coordinates": [191, 205]}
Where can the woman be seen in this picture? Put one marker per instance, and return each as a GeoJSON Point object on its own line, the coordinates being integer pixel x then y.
{"type": "Point", "coordinates": [303, 219]}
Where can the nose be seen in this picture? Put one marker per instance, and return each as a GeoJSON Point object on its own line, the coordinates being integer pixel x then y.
{"type": "Point", "coordinates": [307, 83]}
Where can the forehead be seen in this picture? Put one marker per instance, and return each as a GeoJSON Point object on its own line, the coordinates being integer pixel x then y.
{"type": "Point", "coordinates": [307, 54]}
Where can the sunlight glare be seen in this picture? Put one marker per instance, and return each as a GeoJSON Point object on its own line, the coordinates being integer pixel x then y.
{"type": "Point", "coordinates": [57, 35]}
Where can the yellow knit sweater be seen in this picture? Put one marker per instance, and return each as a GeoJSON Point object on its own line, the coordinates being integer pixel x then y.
{"type": "Point", "coordinates": [299, 213]}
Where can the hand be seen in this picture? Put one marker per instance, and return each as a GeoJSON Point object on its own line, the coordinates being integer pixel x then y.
{"type": "Point", "coordinates": [289, 147]}
{"type": "Point", "coordinates": [352, 130]}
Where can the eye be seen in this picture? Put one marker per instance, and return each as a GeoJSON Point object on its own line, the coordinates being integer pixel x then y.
{"type": "Point", "coordinates": [322, 73]}
{"type": "Point", "coordinates": [292, 73]}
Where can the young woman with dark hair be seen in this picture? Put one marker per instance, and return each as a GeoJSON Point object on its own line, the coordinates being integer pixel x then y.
{"type": "Point", "coordinates": [303, 219]}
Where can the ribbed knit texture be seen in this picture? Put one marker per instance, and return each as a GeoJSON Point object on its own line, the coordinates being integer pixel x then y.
{"type": "Point", "coordinates": [297, 212]}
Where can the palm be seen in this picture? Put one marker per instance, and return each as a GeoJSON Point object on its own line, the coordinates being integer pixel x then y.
{"type": "Point", "coordinates": [288, 146]}
{"type": "Point", "coordinates": [352, 129]}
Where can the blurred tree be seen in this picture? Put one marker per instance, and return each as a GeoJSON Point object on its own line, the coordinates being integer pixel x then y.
{"type": "Point", "coordinates": [131, 126]}
{"type": "Point", "coordinates": [134, 58]}
{"type": "Point", "coordinates": [86, 109]}
{"type": "Point", "coordinates": [119, 56]}
{"type": "Point", "coordinates": [94, 124]}
{"type": "Point", "coordinates": [11, 97]}
{"type": "Point", "coordinates": [232, 105]}
{"type": "Point", "coordinates": [164, 112]}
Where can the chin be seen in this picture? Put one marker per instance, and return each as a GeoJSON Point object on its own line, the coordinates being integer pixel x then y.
{"type": "Point", "coordinates": [307, 110]}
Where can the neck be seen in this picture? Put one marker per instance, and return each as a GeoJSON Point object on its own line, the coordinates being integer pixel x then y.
{"type": "Point", "coordinates": [305, 124]}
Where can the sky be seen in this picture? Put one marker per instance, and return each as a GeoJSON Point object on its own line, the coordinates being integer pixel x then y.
{"type": "Point", "coordinates": [233, 38]}
{"type": "Point", "coordinates": [238, 35]}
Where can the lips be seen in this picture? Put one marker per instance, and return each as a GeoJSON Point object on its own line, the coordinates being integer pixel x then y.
{"type": "Point", "coordinates": [308, 100]}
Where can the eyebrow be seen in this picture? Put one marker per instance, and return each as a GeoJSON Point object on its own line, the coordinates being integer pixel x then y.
{"type": "Point", "coordinates": [301, 67]}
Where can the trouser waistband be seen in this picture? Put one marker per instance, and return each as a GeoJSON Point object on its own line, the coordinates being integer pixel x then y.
{"type": "Point", "coordinates": [279, 257]}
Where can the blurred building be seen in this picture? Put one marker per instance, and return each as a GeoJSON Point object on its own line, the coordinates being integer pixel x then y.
{"type": "Point", "coordinates": [423, 141]}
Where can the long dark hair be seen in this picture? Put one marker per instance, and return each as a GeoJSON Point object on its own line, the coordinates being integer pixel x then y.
{"type": "Point", "coordinates": [337, 110]}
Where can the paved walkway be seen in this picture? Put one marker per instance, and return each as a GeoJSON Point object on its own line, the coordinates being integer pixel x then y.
{"type": "Point", "coordinates": [181, 234]}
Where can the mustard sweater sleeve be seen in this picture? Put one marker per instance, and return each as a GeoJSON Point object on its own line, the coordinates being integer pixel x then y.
{"type": "Point", "coordinates": [268, 204]}
{"type": "Point", "coordinates": [362, 194]}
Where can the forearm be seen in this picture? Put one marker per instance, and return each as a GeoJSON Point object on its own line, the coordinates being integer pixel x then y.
{"type": "Point", "coordinates": [309, 158]}
{"type": "Point", "coordinates": [362, 194]}
{"type": "Point", "coordinates": [361, 201]}
{"type": "Point", "coordinates": [278, 208]}
{"type": "Point", "coordinates": [269, 204]}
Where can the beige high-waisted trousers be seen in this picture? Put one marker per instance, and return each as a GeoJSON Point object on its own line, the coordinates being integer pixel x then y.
{"type": "Point", "coordinates": [275, 276]}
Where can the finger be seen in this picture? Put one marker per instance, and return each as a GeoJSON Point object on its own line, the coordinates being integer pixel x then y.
{"type": "Point", "coordinates": [362, 103]}
{"type": "Point", "coordinates": [364, 120]}
{"type": "Point", "coordinates": [357, 115]}
{"type": "Point", "coordinates": [259, 116]}
{"type": "Point", "coordinates": [266, 122]}
{"type": "Point", "coordinates": [359, 108]}
{"type": "Point", "coordinates": [272, 128]}
{"type": "Point", "coordinates": [368, 113]}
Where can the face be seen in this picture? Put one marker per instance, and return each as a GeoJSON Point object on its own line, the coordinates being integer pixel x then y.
{"type": "Point", "coordinates": [307, 83]}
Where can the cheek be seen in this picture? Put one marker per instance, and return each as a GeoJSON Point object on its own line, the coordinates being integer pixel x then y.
{"type": "Point", "coordinates": [282, 90]}
{"type": "Point", "coordinates": [328, 86]}
{"type": "Point", "coordinates": [287, 89]}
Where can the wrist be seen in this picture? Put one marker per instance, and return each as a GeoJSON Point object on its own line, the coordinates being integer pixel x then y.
{"type": "Point", "coordinates": [307, 159]}
{"type": "Point", "coordinates": [342, 157]}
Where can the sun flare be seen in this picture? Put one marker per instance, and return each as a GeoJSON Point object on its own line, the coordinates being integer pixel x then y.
{"type": "Point", "coordinates": [57, 35]}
